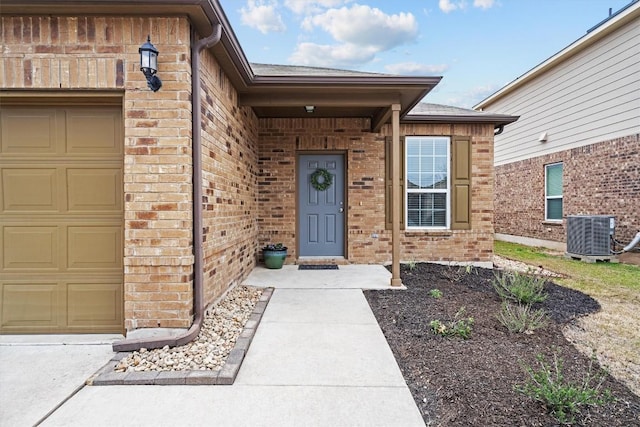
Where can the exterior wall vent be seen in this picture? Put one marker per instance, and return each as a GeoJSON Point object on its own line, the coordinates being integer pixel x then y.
{"type": "Point", "coordinates": [590, 235]}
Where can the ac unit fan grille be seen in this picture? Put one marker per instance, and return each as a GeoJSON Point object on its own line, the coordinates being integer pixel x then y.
{"type": "Point", "coordinates": [589, 235]}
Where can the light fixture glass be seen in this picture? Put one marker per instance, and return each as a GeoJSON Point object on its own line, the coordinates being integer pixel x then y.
{"type": "Point", "coordinates": [309, 108]}
{"type": "Point", "coordinates": [149, 64]}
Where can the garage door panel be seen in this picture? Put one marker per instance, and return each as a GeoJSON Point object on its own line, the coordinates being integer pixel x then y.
{"type": "Point", "coordinates": [29, 131]}
{"type": "Point", "coordinates": [95, 247]}
{"type": "Point", "coordinates": [61, 219]}
{"type": "Point", "coordinates": [30, 247]}
{"type": "Point", "coordinates": [93, 132]}
{"type": "Point", "coordinates": [94, 190]}
{"type": "Point", "coordinates": [94, 304]}
{"type": "Point", "coordinates": [30, 304]}
{"type": "Point", "coordinates": [30, 190]}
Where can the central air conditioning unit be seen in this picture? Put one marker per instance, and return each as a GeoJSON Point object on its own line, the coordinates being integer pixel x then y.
{"type": "Point", "coordinates": [590, 234]}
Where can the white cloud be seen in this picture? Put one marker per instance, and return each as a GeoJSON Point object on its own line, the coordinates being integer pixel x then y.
{"type": "Point", "coordinates": [262, 16]}
{"type": "Point", "coordinates": [365, 26]}
{"type": "Point", "coordinates": [331, 56]}
{"type": "Point", "coordinates": [312, 6]}
{"type": "Point", "coordinates": [449, 5]}
{"type": "Point", "coordinates": [415, 69]}
{"type": "Point", "coordinates": [484, 4]}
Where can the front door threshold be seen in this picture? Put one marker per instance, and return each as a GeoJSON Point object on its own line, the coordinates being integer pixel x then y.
{"type": "Point", "coordinates": [318, 260]}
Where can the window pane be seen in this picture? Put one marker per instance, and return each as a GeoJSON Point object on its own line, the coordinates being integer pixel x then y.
{"type": "Point", "coordinates": [439, 201]}
{"type": "Point", "coordinates": [413, 209]}
{"type": "Point", "coordinates": [413, 172]}
{"type": "Point", "coordinates": [427, 165]}
{"type": "Point", "coordinates": [440, 181]}
{"type": "Point", "coordinates": [441, 147]}
{"type": "Point", "coordinates": [427, 209]}
{"type": "Point", "coordinates": [426, 147]}
{"type": "Point", "coordinates": [554, 180]}
{"type": "Point", "coordinates": [440, 164]}
{"type": "Point", "coordinates": [554, 208]}
{"type": "Point", "coordinates": [439, 218]}
{"type": "Point", "coordinates": [412, 148]}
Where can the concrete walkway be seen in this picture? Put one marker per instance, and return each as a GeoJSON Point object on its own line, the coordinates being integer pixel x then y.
{"type": "Point", "coordinates": [318, 358]}
{"type": "Point", "coordinates": [38, 372]}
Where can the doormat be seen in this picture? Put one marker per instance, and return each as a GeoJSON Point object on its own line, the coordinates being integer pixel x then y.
{"type": "Point", "coordinates": [317, 267]}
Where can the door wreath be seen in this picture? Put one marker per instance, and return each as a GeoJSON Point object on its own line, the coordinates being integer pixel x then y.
{"type": "Point", "coordinates": [321, 179]}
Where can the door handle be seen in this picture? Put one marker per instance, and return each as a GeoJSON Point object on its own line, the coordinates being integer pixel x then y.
{"type": "Point", "coordinates": [341, 210]}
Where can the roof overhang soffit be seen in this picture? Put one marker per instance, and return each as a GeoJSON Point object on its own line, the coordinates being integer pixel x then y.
{"type": "Point", "coordinates": [335, 96]}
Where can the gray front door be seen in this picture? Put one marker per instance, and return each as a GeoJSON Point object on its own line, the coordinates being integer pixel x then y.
{"type": "Point", "coordinates": [321, 213]}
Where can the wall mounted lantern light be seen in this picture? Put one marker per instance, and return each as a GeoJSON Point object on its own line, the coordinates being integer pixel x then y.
{"type": "Point", "coordinates": [149, 64]}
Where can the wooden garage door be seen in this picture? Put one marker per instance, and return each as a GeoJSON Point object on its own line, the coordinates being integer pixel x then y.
{"type": "Point", "coordinates": [61, 247]}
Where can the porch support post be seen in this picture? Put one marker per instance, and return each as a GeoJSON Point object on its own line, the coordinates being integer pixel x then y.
{"type": "Point", "coordinates": [396, 196]}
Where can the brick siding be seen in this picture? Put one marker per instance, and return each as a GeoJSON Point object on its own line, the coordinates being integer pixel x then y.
{"type": "Point", "coordinates": [598, 179]}
{"type": "Point", "coordinates": [282, 139]}
{"type": "Point", "coordinates": [230, 164]}
{"type": "Point", "coordinates": [78, 53]}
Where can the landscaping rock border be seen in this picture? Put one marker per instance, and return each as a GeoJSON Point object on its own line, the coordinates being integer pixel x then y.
{"type": "Point", "coordinates": [224, 376]}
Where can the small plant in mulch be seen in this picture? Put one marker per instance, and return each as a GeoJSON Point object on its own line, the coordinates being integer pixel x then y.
{"type": "Point", "coordinates": [435, 293]}
{"type": "Point", "coordinates": [457, 273]}
{"type": "Point", "coordinates": [521, 318]}
{"type": "Point", "coordinates": [411, 265]}
{"type": "Point", "coordinates": [520, 288]}
{"type": "Point", "coordinates": [563, 399]}
{"type": "Point", "coordinates": [460, 326]}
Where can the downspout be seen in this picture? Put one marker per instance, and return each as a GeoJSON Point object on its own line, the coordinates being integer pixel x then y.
{"type": "Point", "coordinates": [498, 130]}
{"type": "Point", "coordinates": [198, 279]}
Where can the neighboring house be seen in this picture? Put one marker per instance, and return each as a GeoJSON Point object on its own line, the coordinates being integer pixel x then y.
{"type": "Point", "coordinates": [576, 147]}
{"type": "Point", "coordinates": [99, 230]}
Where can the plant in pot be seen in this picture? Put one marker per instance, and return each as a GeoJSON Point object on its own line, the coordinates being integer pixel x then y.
{"type": "Point", "coordinates": [274, 255]}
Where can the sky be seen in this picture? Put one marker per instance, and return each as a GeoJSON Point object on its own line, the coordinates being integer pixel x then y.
{"type": "Point", "coordinates": [477, 46]}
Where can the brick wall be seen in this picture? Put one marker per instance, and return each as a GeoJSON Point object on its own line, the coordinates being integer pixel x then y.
{"type": "Point", "coordinates": [281, 139]}
{"type": "Point", "coordinates": [229, 148]}
{"type": "Point", "coordinates": [599, 179]}
{"type": "Point", "coordinates": [63, 53]}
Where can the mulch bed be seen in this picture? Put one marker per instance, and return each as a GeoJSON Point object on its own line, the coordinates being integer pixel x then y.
{"type": "Point", "coordinates": [471, 382]}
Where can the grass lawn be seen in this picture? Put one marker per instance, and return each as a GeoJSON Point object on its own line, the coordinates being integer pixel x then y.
{"type": "Point", "coordinates": [589, 278]}
{"type": "Point", "coordinates": [613, 332]}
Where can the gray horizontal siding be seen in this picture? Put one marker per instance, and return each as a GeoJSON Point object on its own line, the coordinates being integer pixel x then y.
{"type": "Point", "coordinates": [593, 96]}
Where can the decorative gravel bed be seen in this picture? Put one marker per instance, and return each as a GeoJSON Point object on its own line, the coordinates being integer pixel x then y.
{"type": "Point", "coordinates": [220, 331]}
{"type": "Point", "coordinates": [521, 267]}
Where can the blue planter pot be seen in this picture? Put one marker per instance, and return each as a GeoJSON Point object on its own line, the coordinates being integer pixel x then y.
{"type": "Point", "coordinates": [274, 259]}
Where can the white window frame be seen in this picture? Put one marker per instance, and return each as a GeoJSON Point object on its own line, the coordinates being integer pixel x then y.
{"type": "Point", "coordinates": [547, 197]}
{"type": "Point", "coordinates": [427, 191]}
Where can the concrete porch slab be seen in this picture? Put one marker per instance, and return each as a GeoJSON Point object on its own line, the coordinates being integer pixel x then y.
{"type": "Point", "coordinates": [353, 276]}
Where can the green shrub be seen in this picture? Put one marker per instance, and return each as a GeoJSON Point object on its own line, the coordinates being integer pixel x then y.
{"type": "Point", "coordinates": [521, 318]}
{"type": "Point", "coordinates": [521, 288]}
{"type": "Point", "coordinates": [458, 327]}
{"type": "Point", "coordinates": [563, 399]}
{"type": "Point", "coordinates": [435, 293]}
